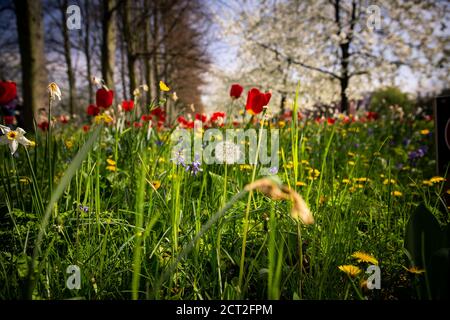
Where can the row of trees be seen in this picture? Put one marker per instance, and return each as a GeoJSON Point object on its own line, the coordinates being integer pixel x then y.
{"type": "Point", "coordinates": [336, 49]}
{"type": "Point", "coordinates": [127, 43]}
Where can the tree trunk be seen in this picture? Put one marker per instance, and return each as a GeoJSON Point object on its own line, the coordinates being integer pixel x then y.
{"type": "Point", "coordinates": [131, 54]}
{"type": "Point", "coordinates": [70, 74]}
{"type": "Point", "coordinates": [155, 50]}
{"type": "Point", "coordinates": [109, 42]}
{"type": "Point", "coordinates": [87, 52]}
{"type": "Point", "coordinates": [147, 61]}
{"type": "Point", "coordinates": [34, 72]}
{"type": "Point", "coordinates": [122, 69]}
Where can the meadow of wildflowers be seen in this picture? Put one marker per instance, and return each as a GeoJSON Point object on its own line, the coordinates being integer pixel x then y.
{"type": "Point", "coordinates": [141, 217]}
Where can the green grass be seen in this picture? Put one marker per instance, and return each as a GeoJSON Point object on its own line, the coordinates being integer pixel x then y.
{"type": "Point", "coordinates": [203, 237]}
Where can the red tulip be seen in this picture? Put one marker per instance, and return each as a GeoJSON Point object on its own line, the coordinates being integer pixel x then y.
{"type": "Point", "coordinates": [43, 125]}
{"type": "Point", "coordinates": [201, 117]}
{"type": "Point", "coordinates": [8, 92]}
{"type": "Point", "coordinates": [127, 106]}
{"type": "Point", "coordinates": [236, 91]}
{"type": "Point", "coordinates": [190, 124]}
{"type": "Point", "coordinates": [104, 98]}
{"type": "Point", "coordinates": [146, 117]}
{"type": "Point", "coordinates": [331, 121]}
{"type": "Point", "coordinates": [86, 128]}
{"type": "Point", "coordinates": [372, 115]}
{"type": "Point", "coordinates": [216, 115]}
{"type": "Point", "coordinates": [256, 101]}
{"type": "Point", "coordinates": [64, 119]}
{"type": "Point", "coordinates": [160, 113]}
{"type": "Point", "coordinates": [138, 124]}
{"type": "Point", "coordinates": [9, 120]}
{"type": "Point", "coordinates": [182, 120]}
{"type": "Point", "coordinates": [93, 110]}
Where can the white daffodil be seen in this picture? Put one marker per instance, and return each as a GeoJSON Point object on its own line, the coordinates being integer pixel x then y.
{"type": "Point", "coordinates": [13, 138]}
{"type": "Point", "coordinates": [54, 91]}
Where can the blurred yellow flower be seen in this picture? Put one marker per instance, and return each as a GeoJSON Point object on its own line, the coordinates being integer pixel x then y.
{"type": "Point", "coordinates": [396, 193]}
{"type": "Point", "coordinates": [282, 124]}
{"type": "Point", "coordinates": [437, 179]}
{"type": "Point", "coordinates": [351, 163]}
{"type": "Point", "coordinates": [414, 270]}
{"type": "Point", "coordinates": [351, 270]}
{"type": "Point", "coordinates": [156, 184]}
{"type": "Point", "coordinates": [313, 174]}
{"type": "Point", "coordinates": [364, 257]}
{"type": "Point", "coordinates": [111, 162]}
{"type": "Point", "coordinates": [69, 144]}
{"type": "Point", "coordinates": [389, 181]}
{"type": "Point", "coordinates": [163, 86]}
{"type": "Point", "coordinates": [351, 154]}
{"type": "Point", "coordinates": [25, 180]}
{"type": "Point", "coordinates": [448, 191]}
{"type": "Point", "coordinates": [103, 118]}
{"type": "Point", "coordinates": [111, 168]}
{"type": "Point", "coordinates": [427, 182]}
{"type": "Point", "coordinates": [424, 131]}
{"type": "Point", "coordinates": [305, 162]}
{"type": "Point", "coordinates": [362, 179]}
{"type": "Point", "coordinates": [346, 181]}
{"type": "Point", "coordinates": [300, 184]}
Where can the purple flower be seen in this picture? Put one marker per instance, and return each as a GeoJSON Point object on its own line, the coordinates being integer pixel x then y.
{"type": "Point", "coordinates": [273, 170]}
{"type": "Point", "coordinates": [84, 208]}
{"type": "Point", "coordinates": [194, 168]}
{"type": "Point", "coordinates": [406, 142]}
{"type": "Point", "coordinates": [179, 157]}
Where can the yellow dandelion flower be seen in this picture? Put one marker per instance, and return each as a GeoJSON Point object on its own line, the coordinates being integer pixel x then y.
{"type": "Point", "coordinates": [351, 163]}
{"type": "Point", "coordinates": [103, 118]}
{"type": "Point", "coordinates": [437, 179]}
{"type": "Point", "coordinates": [415, 270]}
{"type": "Point", "coordinates": [111, 168]}
{"type": "Point", "coordinates": [288, 165]}
{"type": "Point", "coordinates": [111, 162]}
{"type": "Point", "coordinates": [25, 180]}
{"type": "Point", "coordinates": [300, 184]}
{"type": "Point", "coordinates": [163, 86]}
{"type": "Point", "coordinates": [396, 193]}
{"type": "Point", "coordinates": [363, 179]}
{"type": "Point", "coordinates": [360, 186]}
{"type": "Point", "coordinates": [424, 131]}
{"type": "Point", "coordinates": [364, 257]}
{"type": "Point", "coordinates": [314, 173]}
{"type": "Point", "coordinates": [346, 181]}
{"type": "Point", "coordinates": [427, 183]}
{"type": "Point", "coordinates": [351, 270]}
{"type": "Point", "coordinates": [69, 144]}
{"type": "Point", "coordinates": [282, 124]}
{"type": "Point", "coordinates": [156, 184]}
{"type": "Point", "coordinates": [389, 181]}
